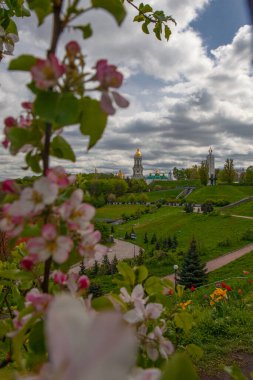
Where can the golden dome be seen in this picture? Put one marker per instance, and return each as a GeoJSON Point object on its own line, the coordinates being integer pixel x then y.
{"type": "Point", "coordinates": [120, 174]}
{"type": "Point", "coordinates": [138, 153]}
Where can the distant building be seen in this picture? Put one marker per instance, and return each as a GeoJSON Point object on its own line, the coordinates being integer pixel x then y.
{"type": "Point", "coordinates": [210, 159]}
{"type": "Point", "coordinates": [137, 168]}
{"type": "Point", "coordinates": [120, 174]}
{"type": "Point", "coordinates": [157, 176]}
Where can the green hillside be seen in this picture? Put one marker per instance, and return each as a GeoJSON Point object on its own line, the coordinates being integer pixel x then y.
{"type": "Point", "coordinates": [217, 193]}
{"type": "Point", "coordinates": [216, 235]}
{"type": "Point", "coordinates": [245, 209]}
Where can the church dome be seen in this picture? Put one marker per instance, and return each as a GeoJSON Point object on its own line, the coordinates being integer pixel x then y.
{"type": "Point", "coordinates": [138, 153]}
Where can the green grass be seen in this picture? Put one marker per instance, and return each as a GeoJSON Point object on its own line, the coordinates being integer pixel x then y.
{"type": "Point", "coordinates": [116, 211]}
{"type": "Point", "coordinates": [225, 192]}
{"type": "Point", "coordinates": [174, 184]}
{"type": "Point", "coordinates": [209, 230]}
{"type": "Point", "coordinates": [245, 209]}
{"type": "Point", "coordinates": [233, 269]}
{"type": "Point", "coordinates": [163, 194]}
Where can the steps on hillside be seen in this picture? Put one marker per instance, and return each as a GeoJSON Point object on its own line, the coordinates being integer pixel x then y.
{"type": "Point", "coordinates": [186, 192]}
{"type": "Point", "coordinates": [244, 200]}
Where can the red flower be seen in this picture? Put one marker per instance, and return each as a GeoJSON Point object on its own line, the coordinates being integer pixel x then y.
{"type": "Point", "coordinates": [239, 291]}
{"type": "Point", "coordinates": [228, 288]}
{"type": "Point", "coordinates": [249, 281]}
{"type": "Point", "coordinates": [245, 272]}
{"type": "Point", "coordinates": [223, 285]}
{"type": "Point", "coordinates": [192, 288]}
{"type": "Point", "coordinates": [170, 292]}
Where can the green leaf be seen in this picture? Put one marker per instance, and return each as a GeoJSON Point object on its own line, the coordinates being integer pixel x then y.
{"type": "Point", "coordinates": [145, 27]}
{"type": "Point", "coordinates": [194, 351]}
{"type": "Point", "coordinates": [167, 32]}
{"type": "Point", "coordinates": [23, 63]}
{"type": "Point", "coordinates": [16, 274]}
{"type": "Point", "coordinates": [235, 373]}
{"type": "Point", "coordinates": [61, 109]}
{"type": "Point", "coordinates": [179, 367]}
{"type": "Point", "coordinates": [127, 272]}
{"type": "Point", "coordinates": [139, 18]}
{"type": "Point", "coordinates": [37, 338]}
{"type": "Point", "coordinates": [153, 285]}
{"type": "Point", "coordinates": [85, 29]}
{"type": "Point", "coordinates": [41, 8]}
{"type": "Point", "coordinates": [158, 30]}
{"type": "Point", "coordinates": [93, 120]}
{"type": "Point", "coordinates": [114, 7]}
{"type": "Point", "coordinates": [184, 321]}
{"type": "Point", "coordinates": [60, 148]}
{"type": "Point", "coordinates": [33, 161]}
{"type": "Point", "coordinates": [102, 303]}
{"type": "Point", "coordinates": [18, 138]}
{"type": "Point", "coordinates": [145, 8]}
{"type": "Point", "coordinates": [141, 273]}
{"type": "Point", "coordinates": [12, 28]}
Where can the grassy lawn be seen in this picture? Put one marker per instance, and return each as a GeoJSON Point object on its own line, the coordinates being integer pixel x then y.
{"type": "Point", "coordinates": [226, 192]}
{"type": "Point", "coordinates": [116, 211]}
{"type": "Point", "coordinates": [245, 209]}
{"type": "Point", "coordinates": [163, 194]}
{"type": "Point", "coordinates": [211, 231]}
{"type": "Point", "coordinates": [174, 184]}
{"type": "Point", "coordinates": [233, 269]}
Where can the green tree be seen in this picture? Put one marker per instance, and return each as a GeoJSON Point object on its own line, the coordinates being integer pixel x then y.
{"type": "Point", "coordinates": [146, 238]}
{"type": "Point", "coordinates": [106, 266]}
{"type": "Point", "coordinates": [114, 264]}
{"type": "Point", "coordinates": [153, 239]}
{"type": "Point", "coordinates": [193, 272]}
{"type": "Point", "coordinates": [248, 177]}
{"type": "Point", "coordinates": [127, 236]}
{"type": "Point", "coordinates": [228, 173]}
{"type": "Point", "coordinates": [203, 173]}
{"type": "Point", "coordinates": [188, 208]}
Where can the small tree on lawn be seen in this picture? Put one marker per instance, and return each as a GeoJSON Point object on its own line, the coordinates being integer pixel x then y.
{"type": "Point", "coordinates": [153, 239]}
{"type": "Point", "coordinates": [193, 272]}
{"type": "Point", "coordinates": [126, 236]}
{"type": "Point", "coordinates": [95, 268]}
{"type": "Point", "coordinates": [106, 266]}
{"type": "Point", "coordinates": [146, 238]}
{"type": "Point", "coordinates": [82, 269]}
{"type": "Point", "coordinates": [114, 264]}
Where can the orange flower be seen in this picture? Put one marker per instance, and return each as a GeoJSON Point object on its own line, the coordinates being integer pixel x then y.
{"type": "Point", "coordinates": [185, 304]}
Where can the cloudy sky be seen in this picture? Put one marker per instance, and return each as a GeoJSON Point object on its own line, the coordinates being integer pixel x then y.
{"type": "Point", "coordinates": [187, 94]}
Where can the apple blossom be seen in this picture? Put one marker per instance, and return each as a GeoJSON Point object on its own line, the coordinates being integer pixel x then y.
{"type": "Point", "coordinates": [46, 72]}
{"type": "Point", "coordinates": [141, 312]}
{"type": "Point", "coordinates": [50, 245]}
{"type": "Point", "coordinates": [28, 262]}
{"type": "Point", "coordinates": [120, 100]}
{"type": "Point", "coordinates": [9, 223]}
{"type": "Point", "coordinates": [88, 246]}
{"type": "Point", "coordinates": [39, 301]}
{"type": "Point", "coordinates": [75, 213]}
{"type": "Point", "coordinates": [10, 186]}
{"type": "Point", "coordinates": [157, 345]}
{"type": "Point", "coordinates": [60, 177]}
{"type": "Point", "coordinates": [83, 282]}
{"type": "Point", "coordinates": [59, 277]}
{"type": "Point", "coordinates": [145, 374]}
{"type": "Point", "coordinates": [33, 200]}
{"type": "Point", "coordinates": [107, 75]}
{"type": "Point", "coordinates": [137, 294]}
{"type": "Point", "coordinates": [73, 48]}
{"type": "Point", "coordinates": [83, 345]}
{"type": "Point", "coordinates": [27, 106]}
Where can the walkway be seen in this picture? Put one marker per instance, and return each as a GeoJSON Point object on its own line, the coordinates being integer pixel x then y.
{"type": "Point", "coordinates": [122, 249]}
{"type": "Point", "coordinates": [223, 260]}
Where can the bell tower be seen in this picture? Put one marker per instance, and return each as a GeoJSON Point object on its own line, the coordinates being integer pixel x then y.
{"type": "Point", "coordinates": [137, 168]}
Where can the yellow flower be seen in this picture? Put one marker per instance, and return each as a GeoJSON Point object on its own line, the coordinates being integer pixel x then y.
{"type": "Point", "coordinates": [185, 304]}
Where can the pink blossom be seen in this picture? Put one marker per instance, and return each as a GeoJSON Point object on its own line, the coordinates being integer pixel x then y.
{"type": "Point", "coordinates": [50, 244]}
{"type": "Point", "coordinates": [33, 200]}
{"type": "Point", "coordinates": [75, 213]}
{"type": "Point", "coordinates": [10, 186]}
{"type": "Point", "coordinates": [120, 100]}
{"type": "Point", "coordinates": [145, 374]}
{"type": "Point", "coordinates": [18, 322]}
{"type": "Point", "coordinates": [27, 106]}
{"type": "Point", "coordinates": [46, 72]}
{"type": "Point", "coordinates": [88, 246]}
{"type": "Point", "coordinates": [58, 176]}
{"type": "Point", "coordinates": [157, 345]}
{"type": "Point", "coordinates": [28, 262]}
{"type": "Point", "coordinates": [107, 75]}
{"type": "Point", "coordinates": [39, 300]}
{"type": "Point", "coordinates": [137, 294]}
{"type": "Point", "coordinates": [97, 345]}
{"type": "Point", "coordinates": [10, 122]}
{"type": "Point", "coordinates": [59, 277]}
{"type": "Point", "coordinates": [11, 223]}
{"type": "Point", "coordinates": [83, 282]}
{"type": "Point", "coordinates": [142, 312]}
{"type": "Point", "coordinates": [106, 104]}
{"type": "Point", "coordinates": [73, 48]}
{"type": "Point", "coordinates": [5, 143]}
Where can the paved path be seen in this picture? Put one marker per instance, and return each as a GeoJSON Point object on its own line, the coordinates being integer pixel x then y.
{"type": "Point", "coordinates": [223, 260]}
{"type": "Point", "coordinates": [242, 216]}
{"type": "Point", "coordinates": [122, 249]}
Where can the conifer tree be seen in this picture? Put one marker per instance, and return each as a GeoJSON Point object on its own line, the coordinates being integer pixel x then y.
{"type": "Point", "coordinates": [193, 272]}
{"type": "Point", "coordinates": [114, 264]}
{"type": "Point", "coordinates": [82, 269]}
{"type": "Point", "coordinates": [126, 236]}
{"type": "Point", "coordinates": [140, 257]}
{"type": "Point", "coordinates": [157, 246]}
{"type": "Point", "coordinates": [95, 268]}
{"type": "Point", "coordinates": [153, 239]}
{"type": "Point", "coordinates": [106, 266]}
{"type": "Point", "coordinates": [146, 238]}
{"type": "Point", "coordinates": [112, 229]}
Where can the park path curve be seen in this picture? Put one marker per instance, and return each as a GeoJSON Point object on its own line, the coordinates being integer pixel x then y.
{"type": "Point", "coordinates": [223, 260]}
{"type": "Point", "coordinates": [121, 249]}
